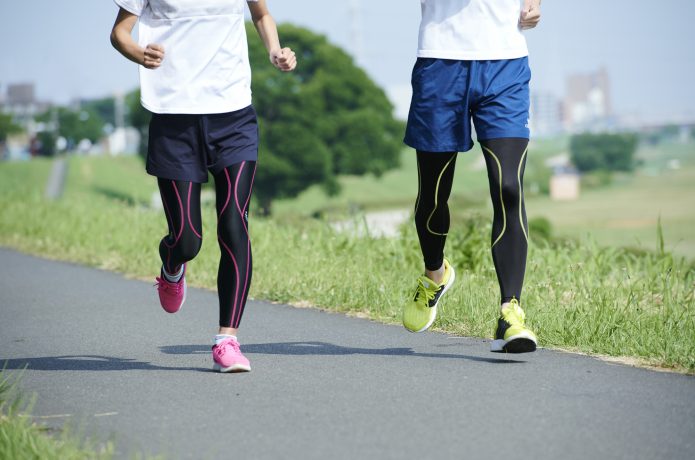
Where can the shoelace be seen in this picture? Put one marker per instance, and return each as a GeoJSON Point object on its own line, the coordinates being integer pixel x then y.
{"type": "Point", "coordinates": [516, 311]}
{"type": "Point", "coordinates": [427, 293]}
{"type": "Point", "coordinates": [168, 286]}
{"type": "Point", "coordinates": [222, 347]}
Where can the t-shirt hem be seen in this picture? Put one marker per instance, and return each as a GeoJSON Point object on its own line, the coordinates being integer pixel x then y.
{"type": "Point", "coordinates": [483, 55]}
{"type": "Point", "coordinates": [128, 8]}
{"type": "Point", "coordinates": [197, 110]}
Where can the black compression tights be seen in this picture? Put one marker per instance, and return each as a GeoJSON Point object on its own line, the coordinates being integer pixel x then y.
{"type": "Point", "coordinates": [506, 161]}
{"type": "Point", "coordinates": [181, 200]}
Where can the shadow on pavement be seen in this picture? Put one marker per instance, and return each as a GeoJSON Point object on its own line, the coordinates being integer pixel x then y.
{"type": "Point", "coordinates": [87, 363]}
{"type": "Point", "coordinates": [324, 348]}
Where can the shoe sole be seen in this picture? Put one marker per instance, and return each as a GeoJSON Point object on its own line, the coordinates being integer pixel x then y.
{"type": "Point", "coordinates": [231, 369]}
{"type": "Point", "coordinates": [520, 343]}
{"type": "Point", "coordinates": [448, 284]}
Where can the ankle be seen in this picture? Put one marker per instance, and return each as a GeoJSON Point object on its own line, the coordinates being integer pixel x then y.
{"type": "Point", "coordinates": [173, 277]}
{"type": "Point", "coordinates": [227, 331]}
{"type": "Point", "coordinates": [508, 303]}
{"type": "Point", "coordinates": [436, 275]}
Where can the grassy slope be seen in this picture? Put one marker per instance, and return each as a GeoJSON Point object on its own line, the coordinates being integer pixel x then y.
{"type": "Point", "coordinates": [624, 213]}
{"type": "Point", "coordinates": [578, 296]}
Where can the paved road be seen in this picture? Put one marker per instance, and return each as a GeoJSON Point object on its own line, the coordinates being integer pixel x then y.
{"type": "Point", "coordinates": [323, 386]}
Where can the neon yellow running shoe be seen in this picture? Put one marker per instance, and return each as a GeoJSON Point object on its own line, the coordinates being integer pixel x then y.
{"type": "Point", "coordinates": [511, 335]}
{"type": "Point", "coordinates": [420, 313]}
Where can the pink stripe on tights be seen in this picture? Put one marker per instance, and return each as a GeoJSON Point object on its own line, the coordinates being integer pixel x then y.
{"type": "Point", "coordinates": [188, 205]}
{"type": "Point", "coordinates": [248, 240]}
{"type": "Point", "coordinates": [236, 269]}
{"type": "Point", "coordinates": [236, 266]}
{"type": "Point", "coordinates": [229, 191]}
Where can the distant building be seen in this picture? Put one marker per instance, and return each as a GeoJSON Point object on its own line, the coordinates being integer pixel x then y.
{"type": "Point", "coordinates": [546, 115]}
{"type": "Point", "coordinates": [565, 181]}
{"type": "Point", "coordinates": [20, 94]}
{"type": "Point", "coordinates": [564, 186]}
{"type": "Point", "coordinates": [122, 141]}
{"type": "Point", "coordinates": [20, 101]}
{"type": "Point", "coordinates": [587, 104]}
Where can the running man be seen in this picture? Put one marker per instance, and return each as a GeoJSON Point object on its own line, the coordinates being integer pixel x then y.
{"type": "Point", "coordinates": [195, 78]}
{"type": "Point", "coordinates": [472, 64]}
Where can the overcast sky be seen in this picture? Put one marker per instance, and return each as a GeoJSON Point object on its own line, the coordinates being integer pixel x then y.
{"type": "Point", "coordinates": [647, 47]}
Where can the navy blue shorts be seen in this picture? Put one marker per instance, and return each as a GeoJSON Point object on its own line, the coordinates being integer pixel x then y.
{"type": "Point", "coordinates": [185, 146]}
{"type": "Point", "coordinates": [447, 94]}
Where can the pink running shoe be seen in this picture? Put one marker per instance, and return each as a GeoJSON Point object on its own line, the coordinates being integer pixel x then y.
{"type": "Point", "coordinates": [172, 295]}
{"type": "Point", "coordinates": [228, 357]}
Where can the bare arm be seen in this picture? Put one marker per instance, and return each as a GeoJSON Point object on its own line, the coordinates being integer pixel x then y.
{"type": "Point", "coordinates": [122, 39]}
{"type": "Point", "coordinates": [530, 14]}
{"type": "Point", "coordinates": [282, 58]}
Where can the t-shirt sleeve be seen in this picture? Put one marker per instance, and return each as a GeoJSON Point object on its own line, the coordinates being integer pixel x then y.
{"type": "Point", "coordinates": [132, 6]}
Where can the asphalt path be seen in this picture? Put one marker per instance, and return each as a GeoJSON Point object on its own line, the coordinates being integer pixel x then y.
{"type": "Point", "coordinates": [100, 354]}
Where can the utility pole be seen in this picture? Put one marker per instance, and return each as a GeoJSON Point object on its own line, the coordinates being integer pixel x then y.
{"type": "Point", "coordinates": [356, 31]}
{"type": "Point", "coordinates": [119, 109]}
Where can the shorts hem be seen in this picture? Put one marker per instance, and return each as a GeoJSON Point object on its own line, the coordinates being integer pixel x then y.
{"type": "Point", "coordinates": [169, 175]}
{"type": "Point", "coordinates": [439, 148]}
{"type": "Point", "coordinates": [504, 134]}
{"type": "Point", "coordinates": [236, 159]}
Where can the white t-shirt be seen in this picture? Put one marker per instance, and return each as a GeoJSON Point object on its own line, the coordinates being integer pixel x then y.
{"type": "Point", "coordinates": [206, 65]}
{"type": "Point", "coordinates": [471, 30]}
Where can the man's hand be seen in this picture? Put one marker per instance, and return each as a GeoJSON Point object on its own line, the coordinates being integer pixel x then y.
{"type": "Point", "coordinates": [530, 14]}
{"type": "Point", "coordinates": [284, 59]}
{"type": "Point", "coordinates": [154, 54]}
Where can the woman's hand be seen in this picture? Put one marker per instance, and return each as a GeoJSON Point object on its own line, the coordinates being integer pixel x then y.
{"type": "Point", "coordinates": [284, 59]}
{"type": "Point", "coordinates": [153, 56]}
{"type": "Point", "coordinates": [121, 39]}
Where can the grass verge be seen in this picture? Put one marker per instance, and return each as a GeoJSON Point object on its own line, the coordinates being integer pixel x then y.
{"type": "Point", "coordinates": [21, 438]}
{"type": "Point", "coordinates": [578, 295]}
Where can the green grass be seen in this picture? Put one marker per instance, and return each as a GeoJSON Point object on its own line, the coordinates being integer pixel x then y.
{"type": "Point", "coordinates": [395, 189]}
{"type": "Point", "coordinates": [398, 188]}
{"type": "Point", "coordinates": [579, 295]}
{"type": "Point", "coordinates": [22, 438]}
{"type": "Point", "coordinates": [626, 212]}
{"type": "Point", "coordinates": [622, 214]}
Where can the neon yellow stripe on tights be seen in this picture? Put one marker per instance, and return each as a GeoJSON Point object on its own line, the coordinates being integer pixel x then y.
{"type": "Point", "coordinates": [521, 196]}
{"type": "Point", "coordinates": [504, 213]}
{"type": "Point", "coordinates": [436, 195]}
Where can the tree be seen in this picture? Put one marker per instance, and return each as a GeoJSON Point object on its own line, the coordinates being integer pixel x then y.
{"type": "Point", "coordinates": [7, 127]}
{"type": "Point", "coordinates": [104, 107]}
{"type": "Point", "coordinates": [138, 117]}
{"type": "Point", "coordinates": [609, 152]}
{"type": "Point", "coordinates": [325, 118]}
{"type": "Point", "coordinates": [74, 125]}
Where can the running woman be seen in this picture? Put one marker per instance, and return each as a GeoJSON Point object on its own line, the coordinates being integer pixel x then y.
{"type": "Point", "coordinates": [472, 64]}
{"type": "Point", "coordinates": [195, 78]}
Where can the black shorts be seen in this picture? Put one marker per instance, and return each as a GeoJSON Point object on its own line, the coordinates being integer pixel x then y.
{"type": "Point", "coordinates": [186, 146]}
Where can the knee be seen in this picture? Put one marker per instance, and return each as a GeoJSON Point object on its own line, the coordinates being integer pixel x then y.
{"type": "Point", "coordinates": [189, 246]}
{"type": "Point", "coordinates": [511, 190]}
{"type": "Point", "coordinates": [232, 231]}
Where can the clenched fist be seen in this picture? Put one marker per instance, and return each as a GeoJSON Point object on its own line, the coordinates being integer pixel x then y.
{"type": "Point", "coordinates": [284, 59]}
{"type": "Point", "coordinates": [530, 14]}
{"type": "Point", "coordinates": [153, 56]}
